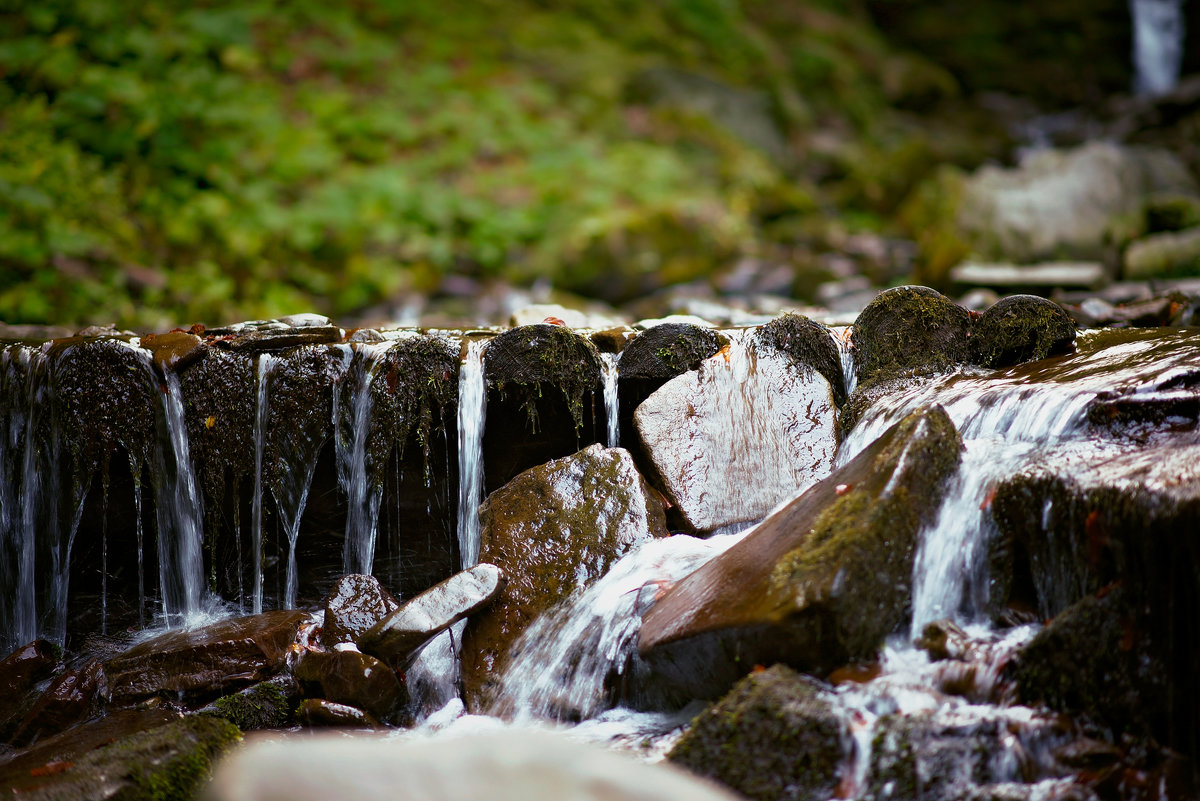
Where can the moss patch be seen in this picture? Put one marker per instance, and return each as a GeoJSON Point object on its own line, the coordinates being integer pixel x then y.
{"type": "Point", "coordinates": [667, 350]}
{"type": "Point", "coordinates": [1021, 328]}
{"type": "Point", "coordinates": [268, 705]}
{"type": "Point", "coordinates": [525, 362]}
{"type": "Point", "coordinates": [809, 343]}
{"type": "Point", "coordinates": [909, 329]}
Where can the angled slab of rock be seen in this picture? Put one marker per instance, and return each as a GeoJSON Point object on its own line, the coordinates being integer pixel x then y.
{"type": "Point", "coordinates": [397, 638]}
{"type": "Point", "coordinates": [349, 677]}
{"type": "Point", "coordinates": [207, 660]}
{"type": "Point", "coordinates": [735, 438]}
{"type": "Point", "coordinates": [552, 529]}
{"type": "Point", "coordinates": [318, 713]}
{"type": "Point", "coordinates": [820, 582]}
{"type": "Point", "coordinates": [776, 735]}
{"type": "Point", "coordinates": [356, 603]}
{"type": "Point", "coordinates": [70, 698]}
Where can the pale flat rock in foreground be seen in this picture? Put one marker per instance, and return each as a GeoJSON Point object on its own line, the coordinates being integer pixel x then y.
{"type": "Point", "coordinates": [740, 435]}
{"type": "Point", "coordinates": [505, 765]}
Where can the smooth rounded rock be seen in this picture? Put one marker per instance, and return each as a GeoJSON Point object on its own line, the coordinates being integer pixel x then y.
{"type": "Point", "coordinates": [320, 713]}
{"type": "Point", "coordinates": [909, 329]}
{"type": "Point", "coordinates": [1021, 328]}
{"type": "Point", "coordinates": [505, 765]}
{"type": "Point", "coordinates": [350, 677]}
{"type": "Point", "coordinates": [355, 604]}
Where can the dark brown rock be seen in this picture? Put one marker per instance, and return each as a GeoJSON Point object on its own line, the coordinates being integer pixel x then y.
{"type": "Point", "coordinates": [26, 666]}
{"type": "Point", "coordinates": [205, 661]}
{"type": "Point", "coordinates": [349, 677]}
{"type": "Point", "coordinates": [551, 530]}
{"type": "Point", "coordinates": [174, 350]}
{"type": "Point", "coordinates": [909, 329]}
{"type": "Point", "coordinates": [355, 604]}
{"type": "Point", "coordinates": [819, 583]}
{"type": "Point", "coordinates": [283, 339]}
{"type": "Point", "coordinates": [317, 713]}
{"type": "Point", "coordinates": [1021, 328]}
{"type": "Point", "coordinates": [400, 636]}
{"type": "Point", "coordinates": [71, 698]}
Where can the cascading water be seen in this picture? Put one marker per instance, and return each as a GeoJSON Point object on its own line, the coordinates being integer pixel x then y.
{"type": "Point", "coordinates": [472, 411]}
{"type": "Point", "coordinates": [177, 502]}
{"type": "Point", "coordinates": [1158, 36]}
{"type": "Point", "coordinates": [266, 363]}
{"type": "Point", "coordinates": [354, 473]}
{"type": "Point", "coordinates": [611, 406]}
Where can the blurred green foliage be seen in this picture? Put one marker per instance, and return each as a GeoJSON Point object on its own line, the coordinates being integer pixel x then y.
{"type": "Point", "coordinates": [170, 162]}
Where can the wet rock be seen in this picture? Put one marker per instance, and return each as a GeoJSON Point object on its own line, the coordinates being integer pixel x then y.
{"type": "Point", "coordinates": [300, 392]}
{"type": "Point", "coordinates": [397, 638]}
{"type": "Point", "coordinates": [205, 661]}
{"type": "Point", "coordinates": [305, 320]}
{"type": "Point", "coordinates": [1095, 658]}
{"type": "Point", "coordinates": [1085, 518]}
{"type": "Point", "coordinates": [737, 437]}
{"type": "Point", "coordinates": [366, 336]}
{"type": "Point", "coordinates": [104, 330]}
{"type": "Point", "coordinates": [909, 329]}
{"type": "Point", "coordinates": [1075, 203]}
{"type": "Point", "coordinates": [612, 340]}
{"type": "Point", "coordinates": [349, 677]}
{"type": "Point", "coordinates": [508, 765]}
{"type": "Point", "coordinates": [543, 385]}
{"type": "Point", "coordinates": [268, 340]}
{"type": "Point", "coordinates": [1166, 310]}
{"type": "Point", "coordinates": [774, 736]}
{"type": "Point", "coordinates": [553, 529]}
{"type": "Point", "coordinates": [571, 318]}
{"type": "Point", "coordinates": [1021, 328]}
{"type": "Point", "coordinates": [171, 761]}
{"type": "Point", "coordinates": [806, 342]}
{"type": "Point", "coordinates": [817, 584]}
{"type": "Point", "coordinates": [28, 665]}
{"type": "Point", "coordinates": [1043, 276]}
{"type": "Point", "coordinates": [267, 705]}
{"type": "Point", "coordinates": [174, 350]}
{"type": "Point", "coordinates": [865, 396]}
{"type": "Point", "coordinates": [71, 698]}
{"type": "Point", "coordinates": [944, 639]}
{"type": "Point", "coordinates": [355, 604]}
{"type": "Point", "coordinates": [1164, 255]}
{"type": "Point", "coordinates": [318, 713]}
{"type": "Point", "coordinates": [666, 350]}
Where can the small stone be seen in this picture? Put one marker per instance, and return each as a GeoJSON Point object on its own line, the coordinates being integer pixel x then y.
{"type": "Point", "coordinates": [356, 603]}
{"type": "Point", "coordinates": [305, 320]}
{"type": "Point", "coordinates": [174, 350]}
{"type": "Point", "coordinates": [943, 639]}
{"type": "Point", "coordinates": [318, 713]}
{"type": "Point", "coordinates": [348, 677]}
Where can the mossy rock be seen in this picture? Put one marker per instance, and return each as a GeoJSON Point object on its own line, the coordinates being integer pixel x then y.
{"type": "Point", "coordinates": [267, 705]}
{"type": "Point", "coordinates": [1021, 328]}
{"type": "Point", "coordinates": [170, 762]}
{"type": "Point", "coordinates": [300, 390]}
{"type": "Point", "coordinates": [775, 737]}
{"type": "Point", "coordinates": [865, 396]}
{"type": "Point", "coordinates": [666, 350]}
{"type": "Point", "coordinates": [525, 362]}
{"type": "Point", "coordinates": [807, 342]}
{"type": "Point", "coordinates": [909, 330]}
{"type": "Point", "coordinates": [1094, 659]}
{"type": "Point", "coordinates": [219, 403]}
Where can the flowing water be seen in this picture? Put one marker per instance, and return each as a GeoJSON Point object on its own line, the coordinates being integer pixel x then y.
{"type": "Point", "coordinates": [262, 411]}
{"type": "Point", "coordinates": [612, 408]}
{"type": "Point", "coordinates": [472, 412]}
{"type": "Point", "coordinates": [1158, 37]}
{"type": "Point", "coordinates": [355, 474]}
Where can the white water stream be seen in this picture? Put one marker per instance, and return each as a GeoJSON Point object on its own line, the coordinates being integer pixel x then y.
{"type": "Point", "coordinates": [1158, 37]}
{"type": "Point", "coordinates": [354, 472]}
{"type": "Point", "coordinates": [472, 412]}
{"type": "Point", "coordinates": [612, 408]}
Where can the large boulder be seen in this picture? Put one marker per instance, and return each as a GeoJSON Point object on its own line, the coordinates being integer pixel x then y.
{"type": "Point", "coordinates": [817, 584]}
{"type": "Point", "coordinates": [506, 765]}
{"type": "Point", "coordinates": [909, 329]}
{"type": "Point", "coordinates": [205, 661]}
{"type": "Point", "coordinates": [20, 671]}
{"type": "Point", "coordinates": [169, 761]}
{"type": "Point", "coordinates": [735, 438]}
{"type": "Point", "coordinates": [1074, 204]}
{"type": "Point", "coordinates": [775, 737]}
{"type": "Point", "coordinates": [553, 529]}
{"type": "Point", "coordinates": [356, 603]}
{"type": "Point", "coordinates": [353, 678]}
{"type": "Point", "coordinates": [400, 636]}
{"type": "Point", "coordinates": [1021, 328]}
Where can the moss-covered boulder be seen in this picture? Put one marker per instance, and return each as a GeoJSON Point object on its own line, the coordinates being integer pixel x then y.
{"type": "Point", "coordinates": [266, 705]}
{"type": "Point", "coordinates": [1021, 328]}
{"type": "Point", "coordinates": [349, 677]}
{"type": "Point", "coordinates": [205, 661]}
{"type": "Point", "coordinates": [553, 529]}
{"type": "Point", "coordinates": [909, 329]}
{"type": "Point", "coordinates": [820, 582]}
{"type": "Point", "coordinates": [355, 604]}
{"type": "Point", "coordinates": [1095, 659]}
{"type": "Point", "coordinates": [806, 342]}
{"type": "Point", "coordinates": [730, 441]}
{"type": "Point", "coordinates": [169, 762]}
{"type": "Point", "coordinates": [775, 736]}
{"type": "Point", "coordinates": [543, 390]}
{"type": "Point", "coordinates": [400, 636]}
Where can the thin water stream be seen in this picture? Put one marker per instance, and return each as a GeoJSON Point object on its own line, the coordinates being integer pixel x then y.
{"type": "Point", "coordinates": [472, 414]}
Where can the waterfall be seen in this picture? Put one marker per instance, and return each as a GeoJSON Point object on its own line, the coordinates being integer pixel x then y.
{"type": "Point", "coordinates": [841, 338]}
{"type": "Point", "coordinates": [355, 475]}
{"type": "Point", "coordinates": [472, 411]}
{"type": "Point", "coordinates": [178, 506]}
{"type": "Point", "coordinates": [611, 406]}
{"type": "Point", "coordinates": [266, 363]}
{"type": "Point", "coordinates": [1158, 37]}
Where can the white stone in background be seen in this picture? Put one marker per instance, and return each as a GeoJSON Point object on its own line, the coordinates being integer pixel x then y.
{"type": "Point", "coordinates": [572, 318]}
{"type": "Point", "coordinates": [502, 764]}
{"type": "Point", "coordinates": [740, 435]}
{"type": "Point", "coordinates": [687, 319]}
{"type": "Point", "coordinates": [305, 320]}
{"type": "Point", "coordinates": [1048, 274]}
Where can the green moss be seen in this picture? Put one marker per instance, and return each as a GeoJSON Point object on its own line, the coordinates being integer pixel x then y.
{"type": "Point", "coordinates": [909, 329]}
{"type": "Point", "coordinates": [523, 363]}
{"type": "Point", "coordinates": [1021, 328]}
{"type": "Point", "coordinates": [266, 705]}
{"type": "Point", "coordinates": [666, 350]}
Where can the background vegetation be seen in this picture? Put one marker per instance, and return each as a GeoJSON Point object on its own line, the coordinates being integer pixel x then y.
{"type": "Point", "coordinates": [170, 162]}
